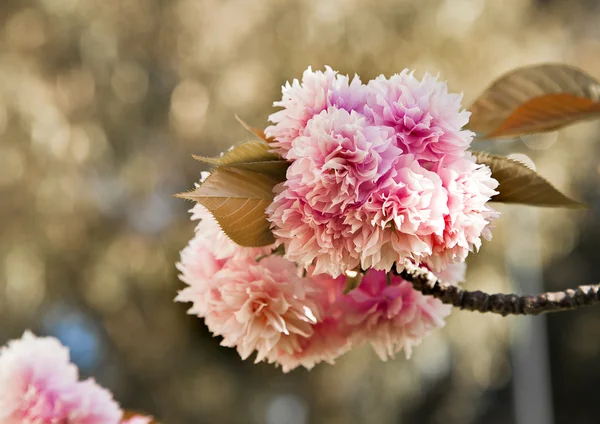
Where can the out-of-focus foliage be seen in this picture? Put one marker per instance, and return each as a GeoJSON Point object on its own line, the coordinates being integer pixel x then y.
{"type": "Point", "coordinates": [101, 105]}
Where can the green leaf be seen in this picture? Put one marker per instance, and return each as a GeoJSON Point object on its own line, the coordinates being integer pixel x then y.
{"type": "Point", "coordinates": [521, 184]}
{"type": "Point", "coordinates": [251, 156]}
{"type": "Point", "coordinates": [237, 198]}
{"type": "Point", "coordinates": [535, 99]}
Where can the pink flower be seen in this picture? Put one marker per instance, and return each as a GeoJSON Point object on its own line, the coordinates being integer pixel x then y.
{"type": "Point", "coordinates": [426, 118]}
{"type": "Point", "coordinates": [301, 101]}
{"type": "Point", "coordinates": [392, 317]}
{"type": "Point", "coordinates": [202, 258]}
{"type": "Point", "coordinates": [264, 307]}
{"type": "Point", "coordinates": [469, 187]}
{"type": "Point", "coordinates": [260, 305]}
{"type": "Point", "coordinates": [330, 338]}
{"type": "Point", "coordinates": [381, 188]}
{"type": "Point", "coordinates": [401, 216]}
{"type": "Point", "coordinates": [39, 385]}
{"type": "Point", "coordinates": [312, 237]}
{"type": "Point", "coordinates": [395, 222]}
{"type": "Point", "coordinates": [206, 254]}
{"type": "Point", "coordinates": [339, 159]}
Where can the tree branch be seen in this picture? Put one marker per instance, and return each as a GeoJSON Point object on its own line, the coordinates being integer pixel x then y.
{"type": "Point", "coordinates": [426, 282]}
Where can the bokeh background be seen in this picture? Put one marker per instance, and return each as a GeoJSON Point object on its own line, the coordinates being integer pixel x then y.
{"type": "Point", "coordinates": [103, 101]}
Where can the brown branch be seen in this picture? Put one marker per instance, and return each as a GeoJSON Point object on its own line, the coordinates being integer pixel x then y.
{"type": "Point", "coordinates": [503, 304]}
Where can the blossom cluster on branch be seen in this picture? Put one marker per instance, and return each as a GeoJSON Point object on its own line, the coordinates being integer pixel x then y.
{"type": "Point", "coordinates": [351, 186]}
{"type": "Point", "coordinates": [378, 175]}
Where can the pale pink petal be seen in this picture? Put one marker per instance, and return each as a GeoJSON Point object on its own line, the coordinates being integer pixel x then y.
{"type": "Point", "coordinates": [392, 317]}
{"type": "Point", "coordinates": [469, 187]}
{"type": "Point", "coordinates": [330, 337]}
{"type": "Point", "coordinates": [303, 100]}
{"type": "Point", "coordinates": [426, 118]}
{"type": "Point", "coordinates": [263, 307]}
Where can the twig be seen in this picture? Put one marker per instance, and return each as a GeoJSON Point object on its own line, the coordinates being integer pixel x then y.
{"type": "Point", "coordinates": [503, 304]}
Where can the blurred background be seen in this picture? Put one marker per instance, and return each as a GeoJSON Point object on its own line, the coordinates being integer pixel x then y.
{"type": "Point", "coordinates": [103, 102]}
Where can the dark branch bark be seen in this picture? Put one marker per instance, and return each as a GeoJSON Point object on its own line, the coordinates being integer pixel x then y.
{"type": "Point", "coordinates": [503, 304]}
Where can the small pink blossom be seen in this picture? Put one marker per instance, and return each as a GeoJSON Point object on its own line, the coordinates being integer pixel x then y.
{"type": "Point", "coordinates": [303, 100]}
{"type": "Point", "coordinates": [311, 237]}
{"type": "Point", "coordinates": [39, 385]}
{"type": "Point", "coordinates": [402, 215]}
{"type": "Point", "coordinates": [261, 306]}
{"type": "Point", "coordinates": [392, 317]}
{"type": "Point", "coordinates": [329, 340]}
{"type": "Point", "coordinates": [339, 160]}
{"type": "Point", "coordinates": [256, 306]}
{"type": "Point", "coordinates": [207, 253]}
{"type": "Point", "coordinates": [426, 118]}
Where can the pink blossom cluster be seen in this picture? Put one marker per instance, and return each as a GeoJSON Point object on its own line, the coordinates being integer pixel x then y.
{"type": "Point", "coordinates": [380, 174]}
{"type": "Point", "coordinates": [39, 385]}
{"type": "Point", "coordinates": [264, 304]}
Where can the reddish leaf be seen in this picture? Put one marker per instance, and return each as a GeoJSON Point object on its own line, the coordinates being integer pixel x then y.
{"type": "Point", "coordinates": [535, 99]}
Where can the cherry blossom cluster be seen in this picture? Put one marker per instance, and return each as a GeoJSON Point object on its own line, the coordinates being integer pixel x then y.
{"type": "Point", "coordinates": [39, 385]}
{"type": "Point", "coordinates": [380, 174]}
